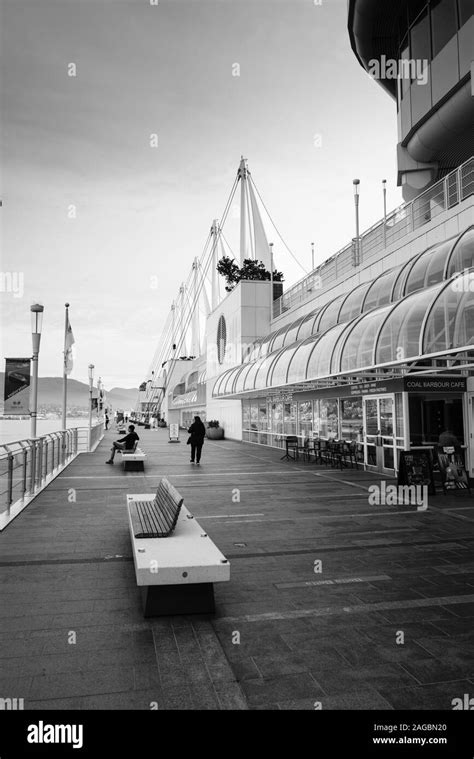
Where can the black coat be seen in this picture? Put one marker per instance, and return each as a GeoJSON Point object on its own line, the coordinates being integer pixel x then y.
{"type": "Point", "coordinates": [197, 432]}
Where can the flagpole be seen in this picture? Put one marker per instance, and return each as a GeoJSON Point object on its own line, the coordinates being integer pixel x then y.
{"type": "Point", "coordinates": [66, 321]}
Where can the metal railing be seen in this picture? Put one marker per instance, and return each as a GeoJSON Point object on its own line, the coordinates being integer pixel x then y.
{"type": "Point", "coordinates": [441, 196]}
{"type": "Point", "coordinates": [29, 464]}
{"type": "Point", "coordinates": [26, 465]}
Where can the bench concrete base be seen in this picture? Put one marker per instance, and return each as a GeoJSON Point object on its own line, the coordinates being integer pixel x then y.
{"type": "Point", "coordinates": [134, 466]}
{"type": "Point", "coordinates": [163, 600]}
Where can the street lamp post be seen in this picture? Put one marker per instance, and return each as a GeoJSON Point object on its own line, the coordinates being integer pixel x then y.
{"type": "Point", "coordinates": [384, 185]}
{"type": "Point", "coordinates": [36, 324]}
{"type": "Point", "coordinates": [91, 383]}
{"type": "Point", "coordinates": [356, 183]}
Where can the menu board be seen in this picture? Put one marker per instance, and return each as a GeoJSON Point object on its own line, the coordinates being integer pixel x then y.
{"type": "Point", "coordinates": [416, 468]}
{"type": "Point", "coordinates": [452, 470]}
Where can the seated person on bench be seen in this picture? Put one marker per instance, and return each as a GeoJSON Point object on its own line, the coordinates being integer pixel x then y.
{"type": "Point", "coordinates": [126, 443]}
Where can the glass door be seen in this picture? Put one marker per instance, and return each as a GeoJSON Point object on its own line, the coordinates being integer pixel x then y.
{"type": "Point", "coordinates": [379, 433]}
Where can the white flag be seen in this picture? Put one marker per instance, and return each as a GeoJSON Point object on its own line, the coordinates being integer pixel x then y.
{"type": "Point", "coordinates": [68, 343]}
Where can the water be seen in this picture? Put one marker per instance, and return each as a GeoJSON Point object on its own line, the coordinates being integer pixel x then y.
{"type": "Point", "coordinates": [18, 429]}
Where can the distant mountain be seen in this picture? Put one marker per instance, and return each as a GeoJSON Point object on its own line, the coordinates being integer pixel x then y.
{"type": "Point", "coordinates": [50, 393]}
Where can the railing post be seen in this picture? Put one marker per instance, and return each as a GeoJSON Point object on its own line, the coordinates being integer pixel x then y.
{"type": "Point", "coordinates": [459, 184]}
{"type": "Point", "coordinates": [39, 479]}
{"type": "Point", "coordinates": [10, 479]}
{"type": "Point", "coordinates": [25, 465]}
{"type": "Point", "coordinates": [33, 467]}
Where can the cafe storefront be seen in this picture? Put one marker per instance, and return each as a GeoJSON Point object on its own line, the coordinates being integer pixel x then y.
{"type": "Point", "coordinates": [382, 418]}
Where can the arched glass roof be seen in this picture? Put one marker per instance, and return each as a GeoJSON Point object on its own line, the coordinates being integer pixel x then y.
{"type": "Point", "coordinates": [399, 337]}
{"type": "Point", "coordinates": [352, 303]}
{"type": "Point", "coordinates": [380, 290]}
{"type": "Point", "coordinates": [462, 256]}
{"type": "Point", "coordinates": [432, 320]}
{"type": "Point", "coordinates": [432, 266]}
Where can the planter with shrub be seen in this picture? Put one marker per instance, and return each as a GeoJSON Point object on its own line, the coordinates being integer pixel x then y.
{"type": "Point", "coordinates": [214, 431]}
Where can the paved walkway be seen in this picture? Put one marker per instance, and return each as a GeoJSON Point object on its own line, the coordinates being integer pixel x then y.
{"type": "Point", "coordinates": [383, 619]}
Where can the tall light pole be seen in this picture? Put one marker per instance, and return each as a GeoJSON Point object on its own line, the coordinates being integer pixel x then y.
{"type": "Point", "coordinates": [356, 183]}
{"type": "Point", "coordinates": [91, 383]}
{"type": "Point", "coordinates": [312, 256]}
{"type": "Point", "coordinates": [271, 281]}
{"type": "Point", "coordinates": [384, 185]}
{"type": "Point", "coordinates": [36, 325]}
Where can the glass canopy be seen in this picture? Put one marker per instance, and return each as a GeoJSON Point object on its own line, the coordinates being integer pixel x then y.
{"type": "Point", "coordinates": [433, 265]}
{"type": "Point", "coordinates": [431, 320]}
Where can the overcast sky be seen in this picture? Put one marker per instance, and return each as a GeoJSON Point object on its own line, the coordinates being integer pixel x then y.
{"type": "Point", "coordinates": [144, 212]}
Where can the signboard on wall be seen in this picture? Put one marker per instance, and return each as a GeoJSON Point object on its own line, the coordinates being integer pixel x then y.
{"type": "Point", "coordinates": [435, 384]}
{"type": "Point", "coordinates": [17, 386]}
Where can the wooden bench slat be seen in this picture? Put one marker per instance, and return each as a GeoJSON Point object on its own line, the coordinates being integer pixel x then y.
{"type": "Point", "coordinates": [158, 518]}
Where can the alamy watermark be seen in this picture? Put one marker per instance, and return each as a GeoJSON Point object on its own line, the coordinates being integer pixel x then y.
{"type": "Point", "coordinates": [12, 282]}
{"type": "Point", "coordinates": [405, 68]}
{"type": "Point", "coordinates": [399, 495]}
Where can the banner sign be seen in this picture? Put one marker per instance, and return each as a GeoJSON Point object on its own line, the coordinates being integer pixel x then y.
{"type": "Point", "coordinates": [17, 386]}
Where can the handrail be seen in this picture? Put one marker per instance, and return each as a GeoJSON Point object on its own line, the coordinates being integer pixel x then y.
{"type": "Point", "coordinates": [406, 218]}
{"type": "Point", "coordinates": [28, 464]}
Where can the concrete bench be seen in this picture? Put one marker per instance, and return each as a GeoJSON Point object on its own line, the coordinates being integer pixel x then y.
{"type": "Point", "coordinates": [176, 562]}
{"type": "Point", "coordinates": [134, 459]}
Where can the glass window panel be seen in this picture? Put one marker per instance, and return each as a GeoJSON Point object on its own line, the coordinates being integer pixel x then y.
{"type": "Point", "coordinates": [399, 287]}
{"type": "Point", "coordinates": [262, 415]}
{"type": "Point", "coordinates": [380, 289]}
{"type": "Point", "coordinates": [359, 347]}
{"type": "Point", "coordinates": [329, 316]}
{"type": "Point", "coordinates": [437, 262]}
{"type": "Point", "coordinates": [352, 305]}
{"type": "Point", "coordinates": [289, 418]}
{"type": "Point", "coordinates": [405, 80]}
{"type": "Point", "coordinates": [451, 321]}
{"type": "Point", "coordinates": [416, 277]}
{"type": "Point", "coordinates": [291, 335]}
{"type": "Point", "coordinates": [276, 418]}
{"type": "Point", "coordinates": [249, 382]}
{"type": "Point", "coordinates": [305, 419]}
{"type": "Point", "coordinates": [262, 377]}
{"type": "Point", "coordinates": [319, 363]}
{"type": "Point", "coordinates": [277, 340]}
{"type": "Point", "coordinates": [371, 416]}
{"type": "Point", "coordinates": [386, 416]}
{"type": "Point", "coordinates": [443, 23]}
{"type": "Point", "coordinates": [245, 414]}
{"type": "Point", "coordinates": [316, 419]}
{"type": "Point", "coordinates": [466, 10]}
{"type": "Point", "coordinates": [254, 415]}
{"type": "Point", "coordinates": [329, 419]}
{"type": "Point", "coordinates": [280, 367]}
{"type": "Point", "coordinates": [239, 382]}
{"type": "Point", "coordinates": [307, 325]}
{"type": "Point", "coordinates": [351, 419]}
{"type": "Point", "coordinates": [399, 337]}
{"type": "Point", "coordinates": [463, 253]}
{"type": "Point", "coordinates": [420, 38]}
{"type": "Point", "coordinates": [299, 360]}
{"type": "Point", "coordinates": [400, 427]}
{"type": "Point", "coordinates": [228, 384]}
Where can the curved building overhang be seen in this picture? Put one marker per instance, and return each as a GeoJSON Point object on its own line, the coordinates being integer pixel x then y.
{"type": "Point", "coordinates": [373, 32]}
{"type": "Point", "coordinates": [433, 326]}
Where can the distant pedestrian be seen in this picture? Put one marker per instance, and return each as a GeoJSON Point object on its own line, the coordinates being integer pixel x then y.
{"type": "Point", "coordinates": [126, 443]}
{"type": "Point", "coordinates": [197, 433]}
{"type": "Point", "coordinates": [106, 421]}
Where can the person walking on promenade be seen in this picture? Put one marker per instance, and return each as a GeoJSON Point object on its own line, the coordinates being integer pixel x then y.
{"type": "Point", "coordinates": [106, 420]}
{"type": "Point", "coordinates": [197, 433]}
{"type": "Point", "coordinates": [126, 443]}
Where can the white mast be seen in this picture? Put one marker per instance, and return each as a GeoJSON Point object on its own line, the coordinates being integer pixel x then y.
{"type": "Point", "coordinates": [195, 330]}
{"type": "Point", "coordinates": [215, 281]}
{"type": "Point", "coordinates": [242, 173]}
